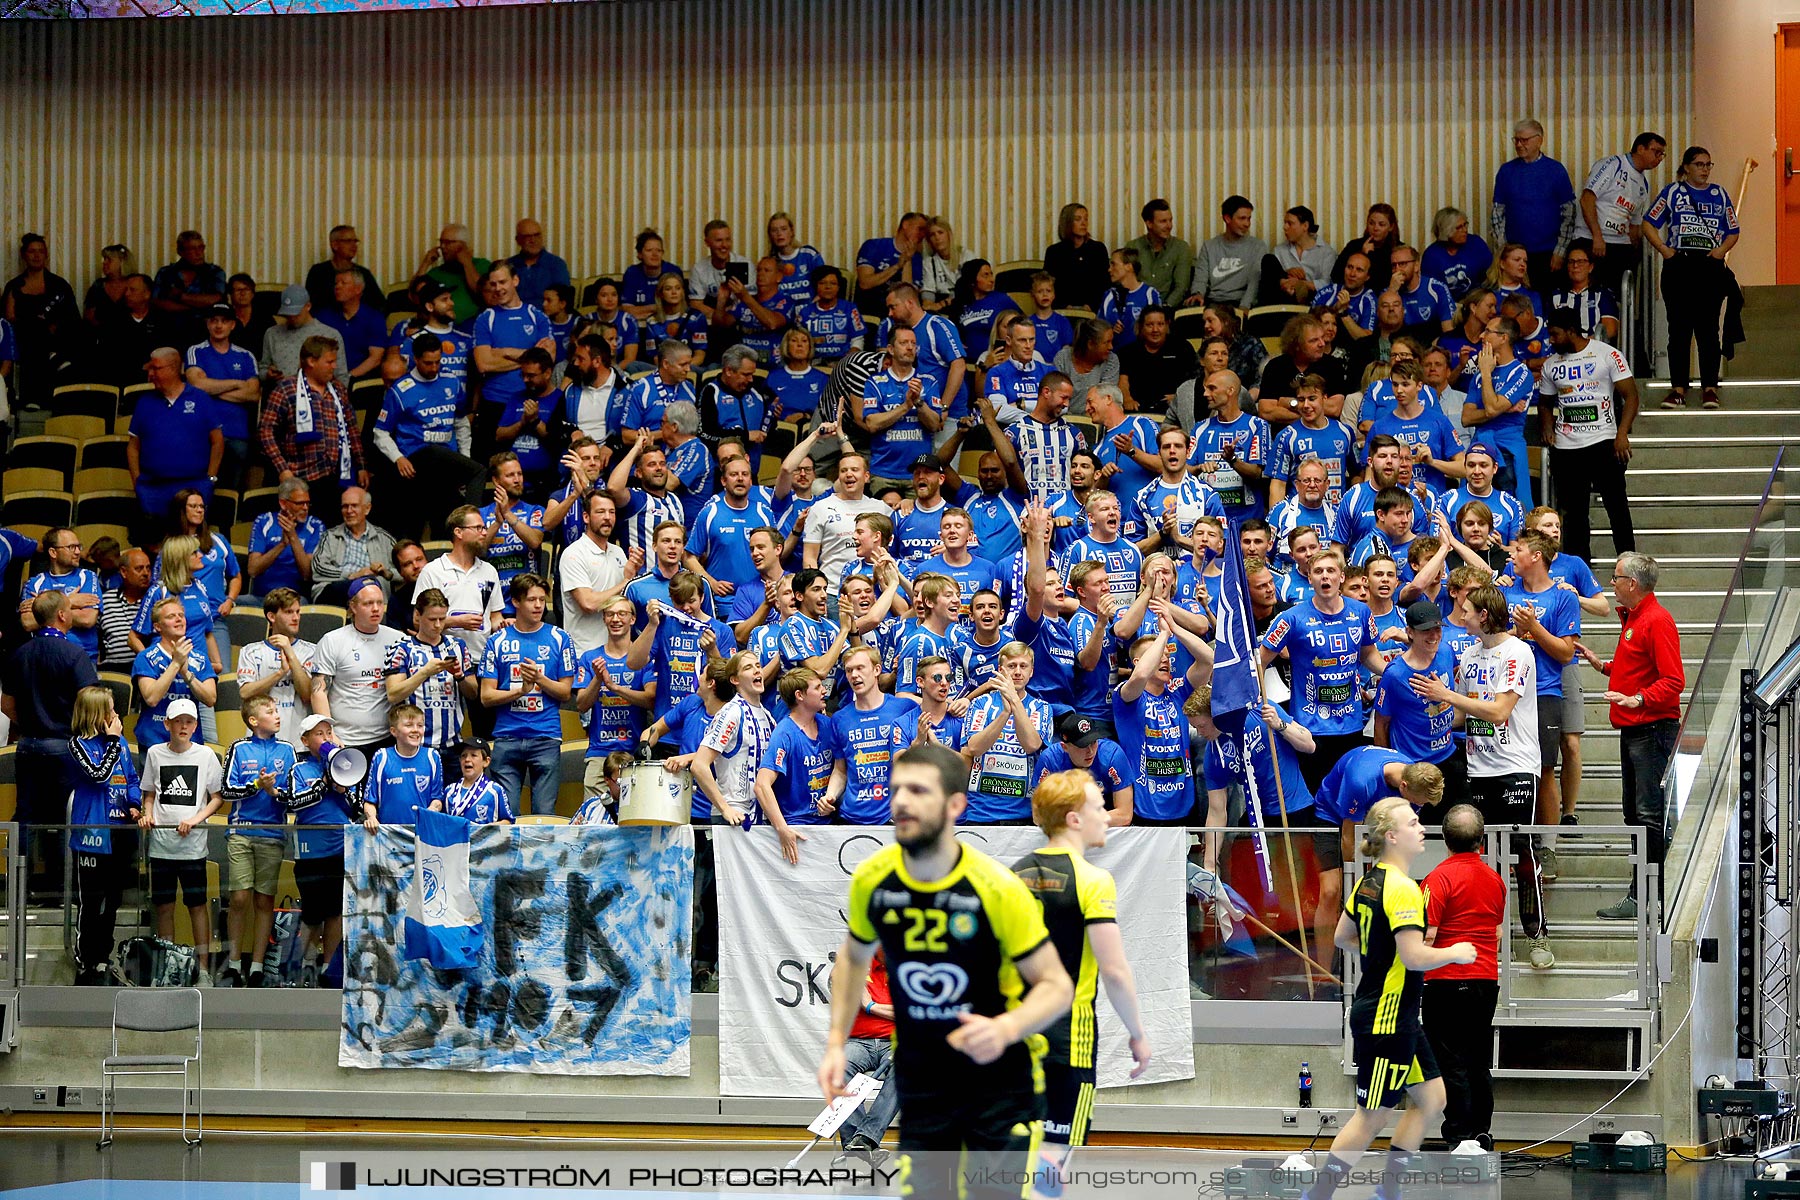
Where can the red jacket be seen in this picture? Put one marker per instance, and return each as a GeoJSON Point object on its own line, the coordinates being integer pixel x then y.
{"type": "Point", "coordinates": [1648, 660]}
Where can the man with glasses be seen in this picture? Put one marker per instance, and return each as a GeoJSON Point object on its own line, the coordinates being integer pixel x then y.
{"type": "Point", "coordinates": [1429, 309]}
{"type": "Point", "coordinates": [282, 542]}
{"type": "Point", "coordinates": [321, 277]}
{"type": "Point", "coordinates": [468, 581]}
{"type": "Point", "coordinates": [452, 265]}
{"type": "Point", "coordinates": [176, 441]}
{"type": "Point", "coordinates": [62, 547]}
{"type": "Point", "coordinates": [1644, 681]}
{"type": "Point", "coordinates": [1534, 205]}
{"type": "Point", "coordinates": [1612, 208]}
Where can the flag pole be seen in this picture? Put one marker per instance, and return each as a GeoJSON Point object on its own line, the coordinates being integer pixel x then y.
{"type": "Point", "coordinates": [1286, 835]}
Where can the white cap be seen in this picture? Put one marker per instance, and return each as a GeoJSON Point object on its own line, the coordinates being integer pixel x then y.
{"type": "Point", "coordinates": [181, 707]}
{"type": "Point", "coordinates": [313, 722]}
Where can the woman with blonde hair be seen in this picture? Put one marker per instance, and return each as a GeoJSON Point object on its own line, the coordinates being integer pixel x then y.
{"type": "Point", "coordinates": [182, 562]}
{"type": "Point", "coordinates": [1384, 922]}
{"type": "Point", "coordinates": [1509, 276]}
{"type": "Point", "coordinates": [106, 795]}
{"type": "Point", "coordinates": [672, 317]}
{"type": "Point", "coordinates": [798, 262]}
{"type": "Point", "coordinates": [944, 260]}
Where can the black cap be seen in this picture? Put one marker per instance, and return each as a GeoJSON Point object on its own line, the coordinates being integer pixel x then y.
{"type": "Point", "coordinates": [1079, 731]}
{"type": "Point", "coordinates": [221, 310]}
{"type": "Point", "coordinates": [473, 742]}
{"type": "Point", "coordinates": [430, 290]}
{"type": "Point", "coordinates": [926, 462]}
{"type": "Point", "coordinates": [1423, 614]}
{"type": "Point", "coordinates": [1565, 318]}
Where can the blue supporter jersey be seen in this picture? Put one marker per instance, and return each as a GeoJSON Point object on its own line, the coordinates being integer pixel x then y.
{"type": "Point", "coordinates": [976, 321]}
{"type": "Point", "coordinates": [561, 332]}
{"type": "Point", "coordinates": [1125, 309]}
{"type": "Point", "coordinates": [1566, 568]}
{"type": "Point", "coordinates": [418, 413]}
{"type": "Point", "coordinates": [1509, 515]}
{"type": "Point", "coordinates": [1152, 730]}
{"type": "Point", "coordinates": [802, 767]}
{"type": "Point", "coordinates": [1428, 304]}
{"type": "Point", "coordinates": [615, 722]}
{"type": "Point", "coordinates": [1360, 308]}
{"type": "Point", "coordinates": [675, 662]}
{"type": "Point", "coordinates": [642, 513]}
{"type": "Point", "coordinates": [1191, 500]}
{"type": "Point", "coordinates": [1356, 514]}
{"type": "Point", "coordinates": [1120, 557]}
{"type": "Point", "coordinates": [1000, 781]}
{"type": "Point", "coordinates": [1292, 514]}
{"type": "Point", "coordinates": [98, 803]}
{"type": "Point", "coordinates": [1092, 686]}
{"type": "Point", "coordinates": [899, 444]}
{"type": "Point", "coordinates": [638, 287]}
{"type": "Point", "coordinates": [1559, 611]}
{"type": "Point", "coordinates": [506, 551]}
{"type": "Point", "coordinates": [1590, 304]}
{"type": "Point", "coordinates": [254, 811]}
{"type": "Point", "coordinates": [1691, 218]}
{"type": "Point", "coordinates": [916, 535]}
{"type": "Point", "coordinates": [1250, 440]}
{"type": "Point", "coordinates": [939, 347]}
{"type": "Point", "coordinates": [439, 697]}
{"type": "Point", "coordinates": [329, 812]}
{"type": "Point", "coordinates": [797, 267]}
{"type": "Point", "coordinates": [623, 324]}
{"type": "Point", "coordinates": [1354, 785]}
{"type": "Point", "coordinates": [1502, 291]}
{"type": "Point", "coordinates": [971, 577]}
{"type": "Point", "coordinates": [1324, 650]}
{"type": "Point", "coordinates": [691, 466]}
{"type": "Point", "coordinates": [1053, 667]}
{"type": "Point", "coordinates": [457, 349]}
{"type": "Point", "coordinates": [797, 392]}
{"type": "Point", "coordinates": [1334, 446]}
{"type": "Point", "coordinates": [1458, 272]}
{"type": "Point", "coordinates": [869, 742]}
{"type": "Point", "coordinates": [720, 536]}
{"type": "Point", "coordinates": [978, 663]}
{"type": "Point", "coordinates": [79, 581]}
{"type": "Point", "coordinates": [914, 647]}
{"type": "Point", "coordinates": [515, 328]}
{"type": "Point", "coordinates": [1053, 333]}
{"type": "Point", "coordinates": [649, 397]}
{"type": "Point", "coordinates": [484, 802]}
{"type": "Point", "coordinates": [234, 362]}
{"type": "Point", "coordinates": [1533, 193]}
{"type": "Point", "coordinates": [534, 456]}
{"type": "Point", "coordinates": [834, 330]}
{"type": "Point", "coordinates": [1430, 429]}
{"type": "Point", "coordinates": [196, 602]}
{"type": "Point", "coordinates": [1129, 477]}
{"type": "Point", "coordinates": [687, 327]}
{"type": "Point", "coordinates": [1110, 770]}
{"type": "Point", "coordinates": [1419, 730]}
{"type": "Point", "coordinates": [998, 519]}
{"type": "Point", "coordinates": [653, 585]}
{"type": "Point", "coordinates": [534, 714]}
{"type": "Point", "coordinates": [754, 334]}
{"type": "Point", "coordinates": [1013, 384]}
{"type": "Point", "coordinates": [401, 785]}
{"type": "Point", "coordinates": [1274, 768]}
{"type": "Point", "coordinates": [879, 254]}
{"type": "Point", "coordinates": [152, 661]}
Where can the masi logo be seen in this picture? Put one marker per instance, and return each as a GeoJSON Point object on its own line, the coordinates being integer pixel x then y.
{"type": "Point", "coordinates": [935, 988]}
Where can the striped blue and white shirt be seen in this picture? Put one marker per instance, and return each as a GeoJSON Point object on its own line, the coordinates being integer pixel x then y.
{"type": "Point", "coordinates": [438, 697]}
{"type": "Point", "coordinates": [483, 802]}
{"type": "Point", "coordinates": [1044, 450]}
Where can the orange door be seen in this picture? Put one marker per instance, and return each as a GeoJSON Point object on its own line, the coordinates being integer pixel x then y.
{"type": "Point", "coordinates": [1787, 145]}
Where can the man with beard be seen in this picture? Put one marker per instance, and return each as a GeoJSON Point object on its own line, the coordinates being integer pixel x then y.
{"type": "Point", "coordinates": [651, 504]}
{"type": "Point", "coordinates": [966, 1066]}
{"type": "Point", "coordinates": [515, 524]}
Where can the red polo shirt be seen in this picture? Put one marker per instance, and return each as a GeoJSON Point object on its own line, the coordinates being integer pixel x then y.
{"type": "Point", "coordinates": [1465, 899]}
{"type": "Point", "coordinates": [868, 1026]}
{"type": "Point", "coordinates": [1648, 660]}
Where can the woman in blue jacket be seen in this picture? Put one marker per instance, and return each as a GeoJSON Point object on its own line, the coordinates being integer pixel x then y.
{"type": "Point", "coordinates": [106, 795]}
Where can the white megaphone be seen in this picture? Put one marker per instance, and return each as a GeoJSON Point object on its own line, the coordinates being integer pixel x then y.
{"type": "Point", "coordinates": [346, 766]}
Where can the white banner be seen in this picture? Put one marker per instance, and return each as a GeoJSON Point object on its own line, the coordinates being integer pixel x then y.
{"type": "Point", "coordinates": [780, 927]}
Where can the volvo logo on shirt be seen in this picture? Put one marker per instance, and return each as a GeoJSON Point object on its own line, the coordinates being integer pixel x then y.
{"type": "Point", "coordinates": [936, 989]}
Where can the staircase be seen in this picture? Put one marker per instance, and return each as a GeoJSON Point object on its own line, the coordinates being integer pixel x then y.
{"type": "Point", "coordinates": [1695, 480]}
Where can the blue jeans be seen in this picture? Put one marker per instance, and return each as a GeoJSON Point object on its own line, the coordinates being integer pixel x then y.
{"type": "Point", "coordinates": [1644, 753]}
{"type": "Point", "coordinates": [868, 1055]}
{"type": "Point", "coordinates": [541, 759]}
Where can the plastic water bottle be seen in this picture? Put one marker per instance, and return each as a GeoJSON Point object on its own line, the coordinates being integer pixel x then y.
{"type": "Point", "coordinates": [1305, 1085]}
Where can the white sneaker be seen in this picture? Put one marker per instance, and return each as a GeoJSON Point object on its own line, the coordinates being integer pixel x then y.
{"type": "Point", "coordinates": [1547, 865]}
{"type": "Point", "coordinates": [1541, 958]}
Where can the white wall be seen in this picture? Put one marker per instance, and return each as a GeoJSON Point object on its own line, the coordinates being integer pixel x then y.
{"type": "Point", "coordinates": [263, 132]}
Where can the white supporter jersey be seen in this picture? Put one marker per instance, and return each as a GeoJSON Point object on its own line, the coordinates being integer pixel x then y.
{"type": "Point", "coordinates": [739, 734]}
{"type": "Point", "coordinates": [257, 661]}
{"type": "Point", "coordinates": [1581, 387]}
{"type": "Point", "coordinates": [1508, 747]}
{"type": "Point", "coordinates": [357, 665]}
{"type": "Point", "coordinates": [831, 524]}
{"type": "Point", "coordinates": [1621, 193]}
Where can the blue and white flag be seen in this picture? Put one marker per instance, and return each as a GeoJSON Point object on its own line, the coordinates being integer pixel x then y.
{"type": "Point", "coordinates": [443, 924]}
{"type": "Point", "coordinates": [1237, 687]}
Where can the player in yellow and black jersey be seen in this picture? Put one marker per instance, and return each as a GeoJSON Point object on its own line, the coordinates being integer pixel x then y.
{"type": "Point", "coordinates": [1080, 909]}
{"type": "Point", "coordinates": [974, 981]}
{"type": "Point", "coordinates": [1384, 921]}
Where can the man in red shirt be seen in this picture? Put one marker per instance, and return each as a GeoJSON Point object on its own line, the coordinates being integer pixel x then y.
{"type": "Point", "coordinates": [1644, 685]}
{"type": "Point", "coordinates": [1465, 901]}
{"type": "Point", "coordinates": [871, 1049]}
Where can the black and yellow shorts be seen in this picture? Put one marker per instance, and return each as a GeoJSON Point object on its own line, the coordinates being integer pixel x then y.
{"type": "Point", "coordinates": [1389, 1063]}
{"type": "Point", "coordinates": [1068, 1103]}
{"type": "Point", "coordinates": [962, 1150]}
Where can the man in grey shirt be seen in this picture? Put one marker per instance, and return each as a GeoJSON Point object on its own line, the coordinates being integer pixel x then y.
{"type": "Point", "coordinates": [1229, 266]}
{"type": "Point", "coordinates": [294, 323]}
{"type": "Point", "coordinates": [1165, 262]}
{"type": "Point", "coordinates": [350, 551]}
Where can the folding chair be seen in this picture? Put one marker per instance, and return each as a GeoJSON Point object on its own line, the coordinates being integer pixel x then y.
{"type": "Point", "coordinates": [154, 1010]}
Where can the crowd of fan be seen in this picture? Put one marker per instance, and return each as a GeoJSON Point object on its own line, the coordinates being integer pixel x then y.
{"type": "Point", "coordinates": [999, 522]}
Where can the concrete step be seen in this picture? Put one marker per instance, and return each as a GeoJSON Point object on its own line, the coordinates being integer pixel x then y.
{"type": "Point", "coordinates": [1727, 512]}
{"type": "Point", "coordinates": [1646, 483]}
{"type": "Point", "coordinates": [1747, 408]}
{"type": "Point", "coordinates": [1658, 538]}
{"type": "Point", "coordinates": [1568, 981]}
{"type": "Point", "coordinates": [1659, 449]}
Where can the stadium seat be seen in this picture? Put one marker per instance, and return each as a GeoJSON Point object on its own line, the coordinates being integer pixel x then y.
{"type": "Point", "coordinates": [366, 394]}
{"type": "Point", "coordinates": [1271, 344]}
{"type": "Point", "coordinates": [317, 620]}
{"type": "Point", "coordinates": [246, 625]}
{"type": "Point", "coordinates": [1088, 428]}
{"type": "Point", "coordinates": [1189, 322]}
{"type": "Point", "coordinates": [101, 479]}
{"type": "Point", "coordinates": [124, 694]}
{"type": "Point", "coordinates": [1015, 276]}
{"type": "Point", "coordinates": [221, 513]}
{"type": "Point", "coordinates": [128, 398]}
{"type": "Point", "coordinates": [38, 508]}
{"type": "Point", "coordinates": [89, 534]}
{"type": "Point", "coordinates": [9, 787]}
{"type": "Point", "coordinates": [1268, 320]}
{"type": "Point", "coordinates": [399, 302]}
{"type": "Point", "coordinates": [31, 531]}
{"type": "Point", "coordinates": [397, 319]}
{"type": "Point", "coordinates": [240, 541]}
{"type": "Point", "coordinates": [86, 400]}
{"type": "Point", "coordinates": [228, 692]}
{"type": "Point", "coordinates": [638, 369]}
{"type": "Point", "coordinates": [33, 479]}
{"type": "Point", "coordinates": [107, 508]}
{"type": "Point", "coordinates": [230, 724]}
{"type": "Point", "coordinates": [1076, 313]}
{"type": "Point", "coordinates": [55, 453]}
{"type": "Point", "coordinates": [572, 766]}
{"type": "Point", "coordinates": [543, 819]}
{"type": "Point", "coordinates": [255, 502]}
{"type": "Point", "coordinates": [104, 452]}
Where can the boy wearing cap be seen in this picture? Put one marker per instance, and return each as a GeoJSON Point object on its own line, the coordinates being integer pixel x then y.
{"type": "Point", "coordinates": [319, 851]}
{"type": "Point", "coordinates": [181, 785]}
{"type": "Point", "coordinates": [1417, 729]}
{"type": "Point", "coordinates": [227, 373]}
{"type": "Point", "coordinates": [1481, 460]}
{"type": "Point", "coordinates": [1082, 744]}
{"type": "Point", "coordinates": [475, 797]}
{"type": "Point", "coordinates": [258, 768]}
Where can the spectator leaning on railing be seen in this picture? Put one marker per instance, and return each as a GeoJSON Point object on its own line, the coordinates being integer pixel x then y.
{"type": "Point", "coordinates": [1645, 681]}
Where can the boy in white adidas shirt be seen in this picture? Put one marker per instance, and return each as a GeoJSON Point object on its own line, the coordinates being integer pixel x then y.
{"type": "Point", "coordinates": [182, 781]}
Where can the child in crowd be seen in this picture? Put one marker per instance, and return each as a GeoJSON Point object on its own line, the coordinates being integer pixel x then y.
{"type": "Point", "coordinates": [475, 797]}
{"type": "Point", "coordinates": [319, 851]}
{"type": "Point", "coordinates": [405, 776]}
{"type": "Point", "coordinates": [258, 769]}
{"type": "Point", "coordinates": [106, 794]}
{"type": "Point", "coordinates": [603, 808]}
{"type": "Point", "coordinates": [182, 786]}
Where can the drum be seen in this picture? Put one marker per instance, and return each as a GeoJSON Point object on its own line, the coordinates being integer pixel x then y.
{"type": "Point", "coordinates": [653, 795]}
